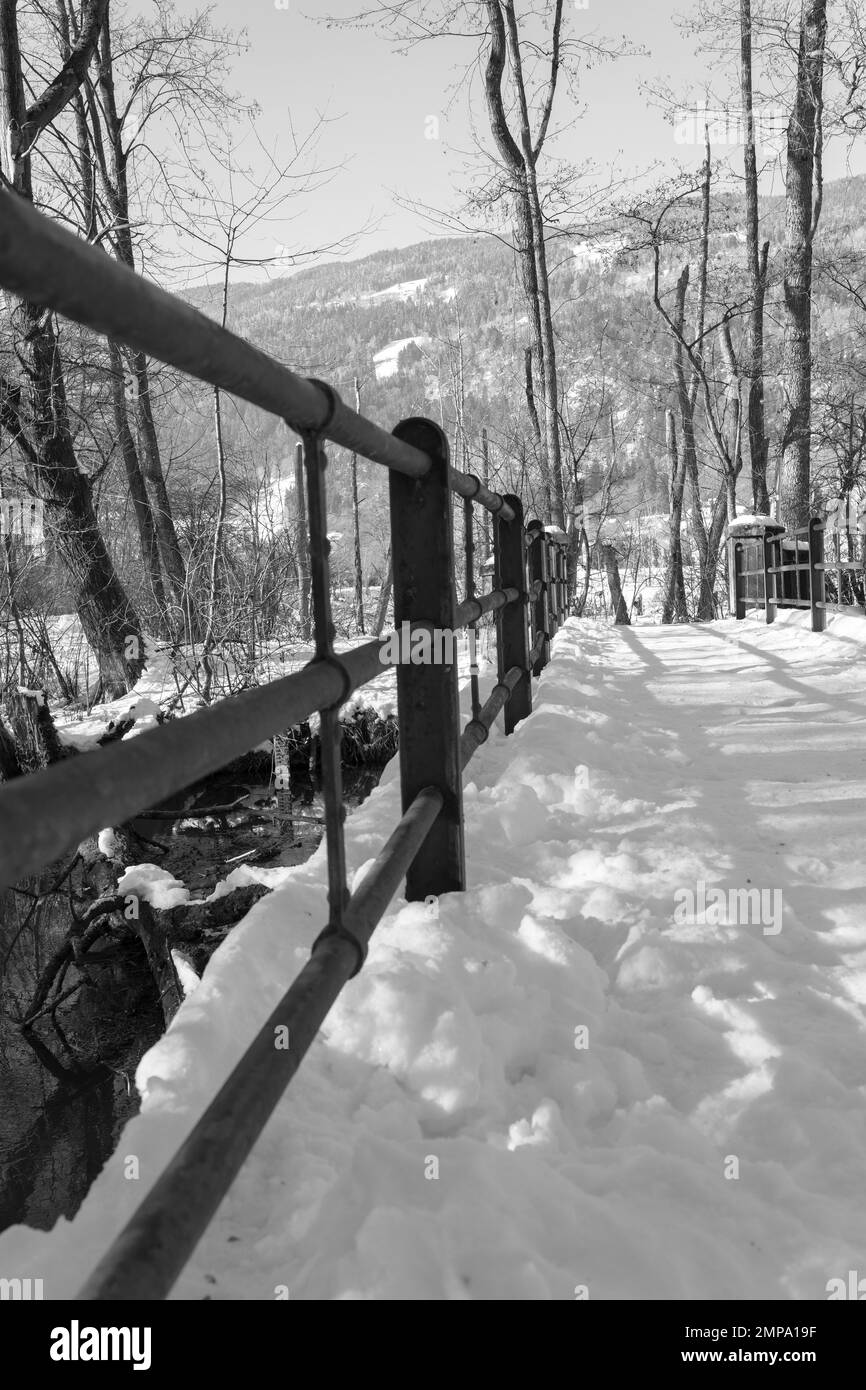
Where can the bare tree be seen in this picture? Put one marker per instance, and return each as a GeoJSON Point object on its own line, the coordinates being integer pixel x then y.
{"type": "Point", "coordinates": [112, 156]}
{"type": "Point", "coordinates": [520, 155]}
{"type": "Point", "coordinates": [36, 413]}
{"type": "Point", "coordinates": [674, 600]}
{"type": "Point", "coordinates": [803, 198]}
{"type": "Point", "coordinates": [356, 528]}
{"type": "Point", "coordinates": [526, 61]}
{"type": "Point", "coordinates": [756, 260]}
{"type": "Point", "coordinates": [218, 225]}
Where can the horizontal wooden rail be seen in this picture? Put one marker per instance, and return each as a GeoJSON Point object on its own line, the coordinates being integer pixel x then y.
{"type": "Point", "coordinates": [46, 264]}
{"type": "Point", "coordinates": [474, 608]}
{"type": "Point", "coordinates": [800, 553]}
{"type": "Point", "coordinates": [47, 814]}
{"type": "Point", "coordinates": [478, 729]}
{"type": "Point", "coordinates": [472, 488]}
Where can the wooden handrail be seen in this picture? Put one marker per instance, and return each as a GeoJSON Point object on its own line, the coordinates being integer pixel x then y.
{"type": "Point", "coordinates": [45, 815]}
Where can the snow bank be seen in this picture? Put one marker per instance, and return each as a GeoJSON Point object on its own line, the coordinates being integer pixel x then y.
{"type": "Point", "coordinates": [546, 1086]}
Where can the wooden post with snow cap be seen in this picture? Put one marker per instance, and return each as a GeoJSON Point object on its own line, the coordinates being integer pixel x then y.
{"type": "Point", "coordinates": [509, 547]}
{"type": "Point", "coordinates": [428, 704]}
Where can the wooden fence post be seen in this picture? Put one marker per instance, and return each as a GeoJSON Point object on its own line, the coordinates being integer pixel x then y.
{"type": "Point", "coordinates": [769, 584]}
{"type": "Point", "coordinates": [739, 591]}
{"type": "Point", "coordinates": [428, 716]}
{"type": "Point", "coordinates": [552, 587]}
{"type": "Point", "coordinates": [817, 595]}
{"type": "Point", "coordinates": [540, 606]}
{"type": "Point", "coordinates": [509, 548]}
{"type": "Point", "coordinates": [562, 573]}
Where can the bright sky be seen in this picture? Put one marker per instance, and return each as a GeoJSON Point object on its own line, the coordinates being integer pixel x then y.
{"type": "Point", "coordinates": [386, 101]}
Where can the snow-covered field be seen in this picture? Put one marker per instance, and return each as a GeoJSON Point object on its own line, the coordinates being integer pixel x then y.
{"type": "Point", "coordinates": [560, 1083]}
{"type": "Point", "coordinates": [156, 690]}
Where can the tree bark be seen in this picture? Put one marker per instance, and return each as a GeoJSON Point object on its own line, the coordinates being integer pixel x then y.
{"type": "Point", "coordinates": [107, 616]}
{"type": "Point", "coordinates": [803, 194]}
{"type": "Point", "coordinates": [302, 544]}
{"type": "Point", "coordinates": [35, 738]}
{"type": "Point", "coordinates": [530, 159]}
{"type": "Point", "coordinates": [116, 187]}
{"type": "Point", "coordinates": [524, 237]}
{"type": "Point", "coordinates": [674, 603]}
{"type": "Point", "coordinates": [611, 565]}
{"type": "Point", "coordinates": [137, 491]}
{"type": "Point", "coordinates": [356, 529]}
{"type": "Point", "coordinates": [485, 478]}
{"type": "Point", "coordinates": [384, 596]}
{"type": "Point", "coordinates": [756, 260]}
{"type": "Point", "coordinates": [118, 383]}
{"type": "Point", "coordinates": [9, 765]}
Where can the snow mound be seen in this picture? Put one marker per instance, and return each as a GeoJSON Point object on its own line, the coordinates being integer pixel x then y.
{"type": "Point", "coordinates": [549, 1086]}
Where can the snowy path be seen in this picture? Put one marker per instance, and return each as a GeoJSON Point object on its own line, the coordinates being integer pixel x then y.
{"type": "Point", "coordinates": [709, 1141]}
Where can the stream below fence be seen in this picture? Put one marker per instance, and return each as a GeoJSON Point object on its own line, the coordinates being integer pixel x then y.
{"type": "Point", "coordinates": [68, 1088]}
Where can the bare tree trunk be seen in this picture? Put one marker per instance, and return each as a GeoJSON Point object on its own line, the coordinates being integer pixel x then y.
{"type": "Point", "coordinates": [151, 462]}
{"type": "Point", "coordinates": [548, 340]}
{"type": "Point", "coordinates": [302, 546]}
{"type": "Point", "coordinates": [485, 478]}
{"type": "Point", "coordinates": [137, 491]}
{"type": "Point", "coordinates": [209, 640]}
{"type": "Point", "coordinates": [44, 436]}
{"type": "Point", "coordinates": [7, 550]}
{"type": "Point", "coordinates": [356, 528]}
{"type": "Point", "coordinates": [525, 244]}
{"type": "Point", "coordinates": [611, 565]}
{"type": "Point", "coordinates": [803, 194]}
{"type": "Point", "coordinates": [584, 549]}
{"type": "Point", "coordinates": [536, 430]}
{"type": "Point", "coordinates": [384, 596]}
{"type": "Point", "coordinates": [756, 260]}
{"type": "Point", "coordinates": [116, 187]}
{"type": "Point", "coordinates": [714, 542]}
{"type": "Point", "coordinates": [120, 382]}
{"type": "Point", "coordinates": [674, 603]}
{"type": "Point", "coordinates": [686, 395]}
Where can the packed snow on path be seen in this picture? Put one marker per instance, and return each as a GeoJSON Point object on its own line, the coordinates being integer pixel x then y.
{"type": "Point", "coordinates": [561, 1083]}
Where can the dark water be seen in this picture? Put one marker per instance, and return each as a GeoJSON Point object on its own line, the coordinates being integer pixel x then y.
{"type": "Point", "coordinates": [66, 1094]}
